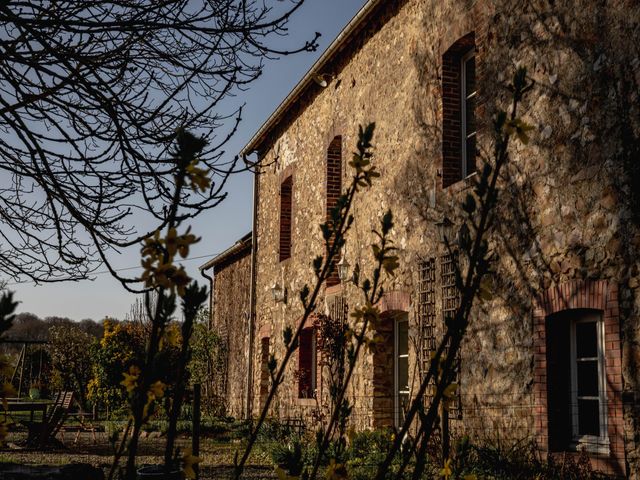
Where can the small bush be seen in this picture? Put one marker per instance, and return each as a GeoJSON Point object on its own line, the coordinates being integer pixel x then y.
{"type": "Point", "coordinates": [519, 460]}
{"type": "Point", "coordinates": [367, 449]}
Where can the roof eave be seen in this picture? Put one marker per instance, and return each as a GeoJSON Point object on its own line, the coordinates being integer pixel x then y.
{"type": "Point", "coordinates": [243, 243]}
{"type": "Point", "coordinates": [315, 70]}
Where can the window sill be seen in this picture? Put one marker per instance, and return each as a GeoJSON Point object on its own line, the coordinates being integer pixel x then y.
{"type": "Point", "coordinates": [306, 402]}
{"type": "Point", "coordinates": [588, 444]}
{"type": "Point", "coordinates": [462, 184]}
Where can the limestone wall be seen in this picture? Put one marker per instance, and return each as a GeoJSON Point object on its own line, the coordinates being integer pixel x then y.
{"type": "Point", "coordinates": [230, 318]}
{"type": "Point", "coordinates": [568, 208]}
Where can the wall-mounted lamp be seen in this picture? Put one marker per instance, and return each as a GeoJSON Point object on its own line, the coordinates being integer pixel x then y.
{"type": "Point", "coordinates": [346, 274]}
{"type": "Point", "coordinates": [323, 79]}
{"type": "Point", "coordinates": [278, 293]}
{"type": "Point", "coordinates": [343, 269]}
{"type": "Point", "coordinates": [444, 227]}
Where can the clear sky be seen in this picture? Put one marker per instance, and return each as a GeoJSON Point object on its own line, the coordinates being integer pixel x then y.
{"type": "Point", "coordinates": [222, 226]}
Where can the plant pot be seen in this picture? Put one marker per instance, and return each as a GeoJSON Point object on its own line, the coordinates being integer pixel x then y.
{"type": "Point", "coordinates": [158, 472]}
{"type": "Point", "coordinates": [34, 393]}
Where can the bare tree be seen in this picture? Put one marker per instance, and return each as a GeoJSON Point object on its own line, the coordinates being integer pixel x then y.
{"type": "Point", "coordinates": [92, 94]}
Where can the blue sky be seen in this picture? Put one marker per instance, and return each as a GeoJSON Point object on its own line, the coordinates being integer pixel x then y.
{"type": "Point", "coordinates": [222, 226]}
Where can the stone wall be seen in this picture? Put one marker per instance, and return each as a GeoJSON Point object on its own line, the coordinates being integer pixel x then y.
{"type": "Point", "coordinates": [568, 209]}
{"type": "Point", "coordinates": [230, 318]}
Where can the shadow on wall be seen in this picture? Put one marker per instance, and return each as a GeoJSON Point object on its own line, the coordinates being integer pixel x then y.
{"type": "Point", "coordinates": [570, 200]}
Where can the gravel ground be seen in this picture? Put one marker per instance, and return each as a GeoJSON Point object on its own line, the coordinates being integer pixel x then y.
{"type": "Point", "coordinates": [217, 457]}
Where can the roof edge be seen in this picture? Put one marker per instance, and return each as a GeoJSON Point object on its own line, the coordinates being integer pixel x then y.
{"type": "Point", "coordinates": [240, 245]}
{"type": "Point", "coordinates": [301, 86]}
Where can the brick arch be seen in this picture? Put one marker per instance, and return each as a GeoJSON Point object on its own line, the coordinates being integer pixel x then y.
{"type": "Point", "coordinates": [265, 331]}
{"type": "Point", "coordinates": [395, 301]}
{"type": "Point", "coordinates": [573, 294]}
{"type": "Point", "coordinates": [336, 129]}
{"type": "Point", "coordinates": [598, 295]}
{"type": "Point", "coordinates": [474, 18]}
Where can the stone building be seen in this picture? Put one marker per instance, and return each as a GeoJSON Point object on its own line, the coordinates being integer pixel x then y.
{"type": "Point", "coordinates": [229, 309]}
{"type": "Point", "coordinates": [552, 356]}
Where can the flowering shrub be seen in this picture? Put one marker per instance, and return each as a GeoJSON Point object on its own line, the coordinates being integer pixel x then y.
{"type": "Point", "coordinates": [159, 373]}
{"type": "Point", "coordinates": [122, 345]}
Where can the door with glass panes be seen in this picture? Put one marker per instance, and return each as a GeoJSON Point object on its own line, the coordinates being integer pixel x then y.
{"type": "Point", "coordinates": [401, 368]}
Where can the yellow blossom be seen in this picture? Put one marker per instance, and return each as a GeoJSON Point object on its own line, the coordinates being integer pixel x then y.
{"type": "Point", "coordinates": [5, 367]}
{"type": "Point", "coordinates": [198, 176]}
{"type": "Point", "coordinates": [450, 390]}
{"type": "Point", "coordinates": [446, 471]}
{"type": "Point", "coordinates": [7, 390]}
{"type": "Point", "coordinates": [130, 381]}
{"type": "Point", "coordinates": [171, 241]}
{"type": "Point", "coordinates": [172, 336]}
{"type": "Point", "coordinates": [282, 475]}
{"type": "Point", "coordinates": [157, 389]}
{"type": "Point", "coordinates": [145, 410]}
{"type": "Point", "coordinates": [188, 461]}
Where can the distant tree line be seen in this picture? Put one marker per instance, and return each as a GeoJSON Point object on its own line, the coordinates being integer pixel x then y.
{"type": "Point", "coordinates": [28, 326]}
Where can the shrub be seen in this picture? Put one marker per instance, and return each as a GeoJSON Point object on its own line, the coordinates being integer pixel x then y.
{"type": "Point", "coordinates": [70, 349]}
{"type": "Point", "coordinates": [519, 460]}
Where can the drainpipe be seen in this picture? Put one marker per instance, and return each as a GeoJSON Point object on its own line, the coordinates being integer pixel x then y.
{"type": "Point", "coordinates": [252, 299]}
{"type": "Point", "coordinates": [204, 274]}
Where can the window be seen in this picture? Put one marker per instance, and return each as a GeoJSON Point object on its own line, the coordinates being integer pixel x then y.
{"type": "Point", "coordinates": [458, 106]}
{"type": "Point", "coordinates": [589, 421]}
{"type": "Point", "coordinates": [468, 124]}
{"type": "Point", "coordinates": [286, 196]}
{"type": "Point", "coordinates": [333, 189]}
{"type": "Point", "coordinates": [401, 368]}
{"type": "Point", "coordinates": [576, 382]}
{"type": "Point", "coordinates": [307, 364]}
{"type": "Point", "coordinates": [264, 369]}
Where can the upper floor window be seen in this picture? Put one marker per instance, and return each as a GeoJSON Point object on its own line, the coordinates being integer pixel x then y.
{"type": "Point", "coordinates": [458, 106]}
{"type": "Point", "coordinates": [286, 197]}
{"type": "Point", "coordinates": [333, 189]}
{"type": "Point", "coordinates": [467, 100]}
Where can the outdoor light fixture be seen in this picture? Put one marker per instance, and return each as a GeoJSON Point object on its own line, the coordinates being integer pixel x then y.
{"type": "Point", "coordinates": [278, 293]}
{"type": "Point", "coordinates": [343, 269]}
{"type": "Point", "coordinates": [323, 79]}
{"type": "Point", "coordinates": [445, 227]}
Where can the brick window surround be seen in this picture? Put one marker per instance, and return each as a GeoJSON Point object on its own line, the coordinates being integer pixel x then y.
{"type": "Point", "coordinates": [597, 295]}
{"type": "Point", "coordinates": [286, 198]}
{"type": "Point", "coordinates": [452, 112]}
{"type": "Point", "coordinates": [333, 191]}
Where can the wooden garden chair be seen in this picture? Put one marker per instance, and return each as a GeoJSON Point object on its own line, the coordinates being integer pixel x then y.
{"type": "Point", "coordinates": [43, 434]}
{"type": "Point", "coordinates": [85, 425]}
